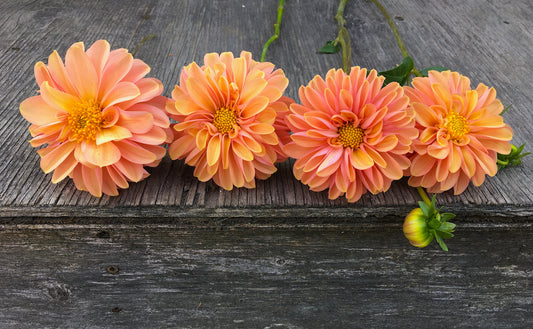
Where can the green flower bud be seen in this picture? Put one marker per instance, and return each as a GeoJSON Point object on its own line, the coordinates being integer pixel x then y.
{"type": "Point", "coordinates": [416, 229]}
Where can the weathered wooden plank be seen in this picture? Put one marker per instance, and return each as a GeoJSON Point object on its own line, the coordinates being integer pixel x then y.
{"type": "Point", "coordinates": [57, 277]}
{"type": "Point", "coordinates": [491, 43]}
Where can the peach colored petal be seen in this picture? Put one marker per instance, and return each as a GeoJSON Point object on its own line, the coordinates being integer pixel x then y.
{"type": "Point", "coordinates": [138, 70]}
{"type": "Point", "coordinates": [241, 151]}
{"type": "Point", "coordinates": [37, 111]}
{"type": "Point", "coordinates": [113, 72]}
{"type": "Point", "coordinates": [100, 155]}
{"type": "Point", "coordinates": [132, 171]}
{"type": "Point", "coordinates": [56, 156]}
{"type": "Point", "coordinates": [155, 136]}
{"type": "Point", "coordinates": [81, 71]}
{"type": "Point", "coordinates": [42, 74]}
{"type": "Point", "coordinates": [136, 121]}
{"type": "Point", "coordinates": [180, 147]}
{"type": "Point", "coordinates": [255, 106]}
{"type": "Point", "coordinates": [133, 152]}
{"type": "Point", "coordinates": [98, 53]}
{"type": "Point", "coordinates": [149, 88]}
{"type": "Point", "coordinates": [121, 92]}
{"type": "Point", "coordinates": [59, 100]}
{"type": "Point", "coordinates": [64, 169]}
{"type": "Point", "coordinates": [112, 134]}
{"type": "Point", "coordinates": [331, 163]}
{"type": "Point", "coordinates": [117, 177]}
{"type": "Point", "coordinates": [261, 128]}
{"type": "Point", "coordinates": [59, 73]}
{"type": "Point", "coordinates": [213, 150]}
{"type": "Point", "coordinates": [92, 179]}
{"type": "Point", "coordinates": [361, 160]}
{"type": "Point", "coordinates": [252, 89]}
{"type": "Point", "coordinates": [199, 95]}
{"type": "Point", "coordinates": [422, 164]}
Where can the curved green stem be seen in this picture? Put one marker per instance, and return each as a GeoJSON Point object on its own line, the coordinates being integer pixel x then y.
{"type": "Point", "coordinates": [396, 33]}
{"type": "Point", "coordinates": [343, 38]}
{"type": "Point", "coordinates": [423, 195]}
{"type": "Point", "coordinates": [281, 6]}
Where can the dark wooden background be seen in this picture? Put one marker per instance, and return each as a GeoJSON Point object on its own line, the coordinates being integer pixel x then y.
{"type": "Point", "coordinates": [192, 255]}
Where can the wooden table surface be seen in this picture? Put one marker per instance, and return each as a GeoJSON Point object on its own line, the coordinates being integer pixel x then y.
{"type": "Point", "coordinates": [341, 265]}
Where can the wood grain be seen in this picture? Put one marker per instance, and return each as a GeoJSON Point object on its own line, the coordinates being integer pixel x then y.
{"type": "Point", "coordinates": [491, 43]}
{"type": "Point", "coordinates": [55, 277]}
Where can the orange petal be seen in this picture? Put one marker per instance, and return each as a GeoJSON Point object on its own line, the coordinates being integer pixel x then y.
{"type": "Point", "coordinates": [92, 178]}
{"type": "Point", "coordinates": [137, 71]}
{"type": "Point", "coordinates": [37, 111]}
{"type": "Point", "coordinates": [261, 128]}
{"type": "Point", "coordinates": [98, 54]}
{"type": "Point", "coordinates": [42, 74]}
{"type": "Point", "coordinates": [443, 94]}
{"type": "Point", "coordinates": [133, 171]}
{"type": "Point", "coordinates": [149, 88]}
{"type": "Point", "coordinates": [64, 169]}
{"type": "Point", "coordinates": [361, 160]}
{"type": "Point", "coordinates": [57, 99]}
{"type": "Point", "coordinates": [54, 158]}
{"type": "Point", "coordinates": [154, 136]}
{"type": "Point", "coordinates": [136, 121]}
{"type": "Point", "coordinates": [438, 152]}
{"type": "Point", "coordinates": [388, 143]}
{"type": "Point", "coordinates": [112, 134]}
{"type": "Point", "coordinates": [255, 106]}
{"type": "Point", "coordinates": [115, 69]}
{"type": "Point", "coordinates": [213, 150]}
{"type": "Point", "coordinates": [241, 151]}
{"type": "Point", "coordinates": [133, 152]}
{"type": "Point", "coordinates": [100, 155]}
{"type": "Point", "coordinates": [252, 89]}
{"type": "Point", "coordinates": [121, 92]}
{"type": "Point", "coordinates": [331, 163]}
{"type": "Point", "coordinates": [201, 138]}
{"type": "Point", "coordinates": [117, 177]}
{"type": "Point", "coordinates": [199, 94]}
{"type": "Point", "coordinates": [81, 71]}
{"type": "Point", "coordinates": [421, 164]}
{"type": "Point", "coordinates": [59, 73]}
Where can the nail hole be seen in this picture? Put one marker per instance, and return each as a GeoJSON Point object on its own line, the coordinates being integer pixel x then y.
{"type": "Point", "coordinates": [112, 269]}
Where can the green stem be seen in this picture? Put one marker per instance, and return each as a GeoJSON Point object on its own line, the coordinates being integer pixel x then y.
{"type": "Point", "coordinates": [396, 33]}
{"type": "Point", "coordinates": [146, 38]}
{"type": "Point", "coordinates": [424, 195]}
{"type": "Point", "coordinates": [277, 25]}
{"type": "Point", "coordinates": [503, 163]}
{"type": "Point", "coordinates": [343, 38]}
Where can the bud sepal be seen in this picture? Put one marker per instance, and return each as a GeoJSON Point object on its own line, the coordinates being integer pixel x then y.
{"type": "Point", "coordinates": [423, 225]}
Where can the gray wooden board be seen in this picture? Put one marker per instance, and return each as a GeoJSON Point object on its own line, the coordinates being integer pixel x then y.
{"type": "Point", "coordinates": [489, 41]}
{"type": "Point", "coordinates": [168, 278]}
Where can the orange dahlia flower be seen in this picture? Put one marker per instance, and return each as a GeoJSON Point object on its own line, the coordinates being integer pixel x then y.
{"type": "Point", "coordinates": [103, 122]}
{"type": "Point", "coordinates": [230, 114]}
{"type": "Point", "coordinates": [350, 134]}
{"type": "Point", "coordinates": [461, 132]}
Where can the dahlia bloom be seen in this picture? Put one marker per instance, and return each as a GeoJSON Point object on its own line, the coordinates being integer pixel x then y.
{"type": "Point", "coordinates": [350, 134]}
{"type": "Point", "coordinates": [103, 122]}
{"type": "Point", "coordinates": [230, 114]}
{"type": "Point", "coordinates": [461, 132]}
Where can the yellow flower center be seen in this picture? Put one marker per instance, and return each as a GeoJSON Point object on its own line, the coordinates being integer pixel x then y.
{"type": "Point", "coordinates": [457, 126]}
{"type": "Point", "coordinates": [85, 120]}
{"type": "Point", "coordinates": [350, 135]}
{"type": "Point", "coordinates": [224, 120]}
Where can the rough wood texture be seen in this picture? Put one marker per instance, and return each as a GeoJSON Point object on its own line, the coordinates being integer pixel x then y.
{"type": "Point", "coordinates": [490, 43]}
{"type": "Point", "coordinates": [261, 279]}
